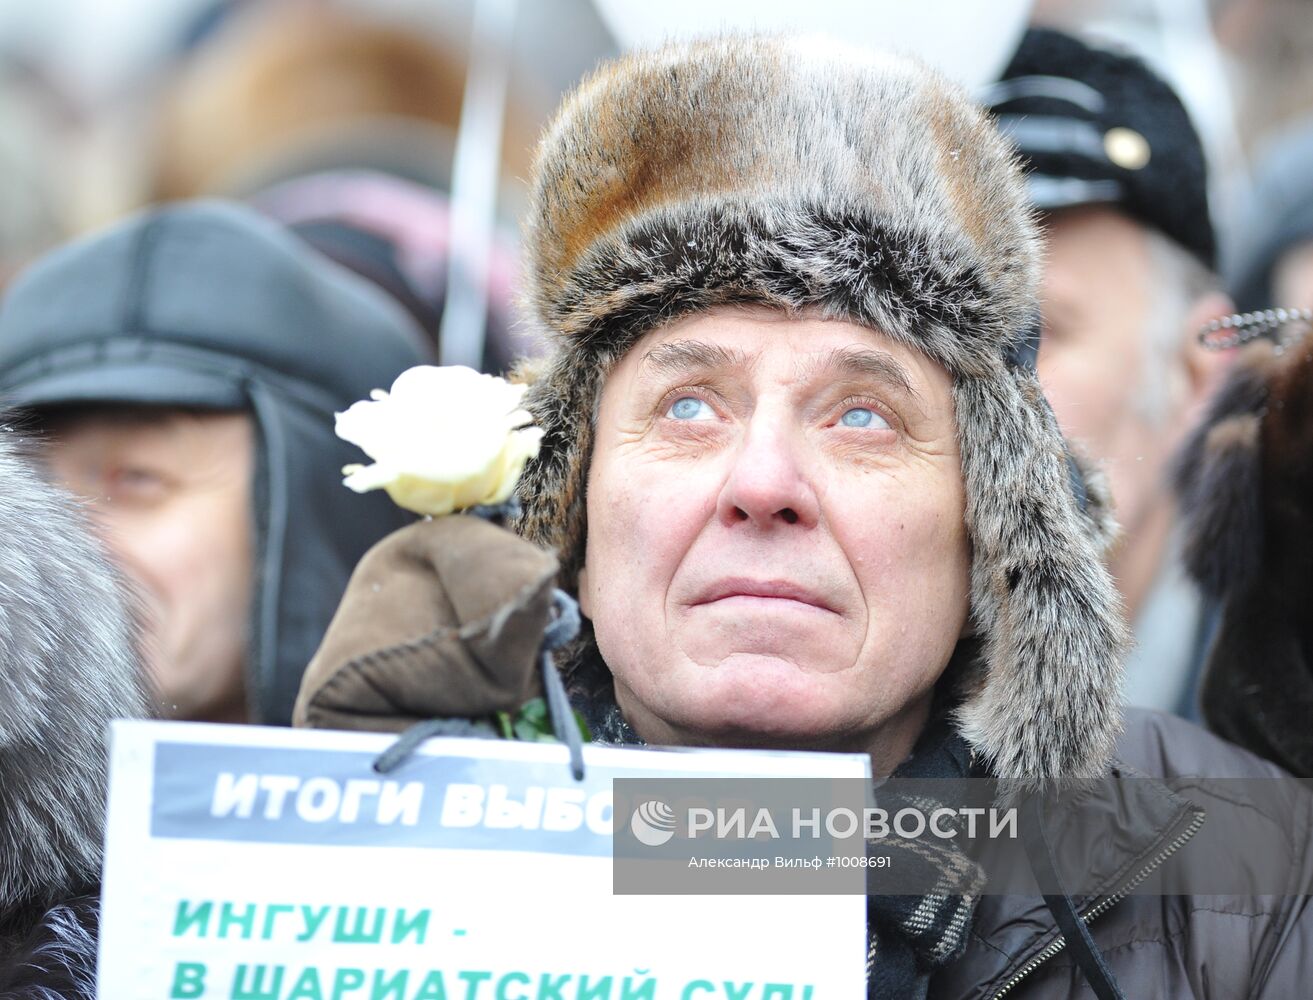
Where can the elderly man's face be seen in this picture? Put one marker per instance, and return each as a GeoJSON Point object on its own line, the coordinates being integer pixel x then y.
{"type": "Point", "coordinates": [1094, 359]}
{"type": "Point", "coordinates": [1121, 363]}
{"type": "Point", "coordinates": [171, 493]}
{"type": "Point", "coordinates": [776, 548]}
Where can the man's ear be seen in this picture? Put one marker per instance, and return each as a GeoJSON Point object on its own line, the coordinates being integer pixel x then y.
{"type": "Point", "coordinates": [1204, 367]}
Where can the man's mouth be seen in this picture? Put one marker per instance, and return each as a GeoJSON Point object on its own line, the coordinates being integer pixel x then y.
{"type": "Point", "coordinates": [764, 592]}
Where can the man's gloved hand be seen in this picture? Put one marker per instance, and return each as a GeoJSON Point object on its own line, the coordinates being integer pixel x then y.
{"type": "Point", "coordinates": [442, 619]}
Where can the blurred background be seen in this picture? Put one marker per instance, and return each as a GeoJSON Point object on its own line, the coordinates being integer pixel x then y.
{"type": "Point", "coordinates": [391, 131]}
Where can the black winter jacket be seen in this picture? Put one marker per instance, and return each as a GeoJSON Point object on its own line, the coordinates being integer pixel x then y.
{"type": "Point", "coordinates": [1166, 947]}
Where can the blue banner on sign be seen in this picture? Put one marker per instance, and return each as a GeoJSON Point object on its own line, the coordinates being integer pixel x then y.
{"type": "Point", "coordinates": [239, 793]}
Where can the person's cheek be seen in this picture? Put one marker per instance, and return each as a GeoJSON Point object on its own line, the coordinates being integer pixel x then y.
{"type": "Point", "coordinates": [182, 574]}
{"type": "Point", "coordinates": [637, 542]}
{"type": "Point", "coordinates": [135, 542]}
{"type": "Point", "coordinates": [910, 555]}
{"type": "Point", "coordinates": [639, 519]}
{"type": "Point", "coordinates": [1068, 379]}
{"type": "Point", "coordinates": [143, 545]}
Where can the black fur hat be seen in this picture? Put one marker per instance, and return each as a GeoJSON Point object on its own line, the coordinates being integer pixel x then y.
{"type": "Point", "coordinates": [799, 174]}
{"type": "Point", "coordinates": [1245, 480]}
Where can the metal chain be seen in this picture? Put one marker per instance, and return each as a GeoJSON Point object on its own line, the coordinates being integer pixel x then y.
{"type": "Point", "coordinates": [1243, 327]}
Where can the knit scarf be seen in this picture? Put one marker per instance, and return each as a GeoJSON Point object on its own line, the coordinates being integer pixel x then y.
{"type": "Point", "coordinates": [908, 936]}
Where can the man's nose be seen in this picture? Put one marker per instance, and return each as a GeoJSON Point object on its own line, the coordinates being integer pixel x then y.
{"type": "Point", "coordinates": [769, 483]}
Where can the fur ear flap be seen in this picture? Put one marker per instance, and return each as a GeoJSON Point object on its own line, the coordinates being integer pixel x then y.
{"type": "Point", "coordinates": [1244, 391]}
{"type": "Point", "coordinates": [1223, 511]}
{"type": "Point", "coordinates": [1049, 709]}
{"type": "Point", "coordinates": [1217, 476]}
{"type": "Point", "coordinates": [552, 491]}
{"type": "Point", "coordinates": [1100, 516]}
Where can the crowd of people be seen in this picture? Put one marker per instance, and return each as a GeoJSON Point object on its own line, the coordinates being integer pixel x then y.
{"type": "Point", "coordinates": [877, 417]}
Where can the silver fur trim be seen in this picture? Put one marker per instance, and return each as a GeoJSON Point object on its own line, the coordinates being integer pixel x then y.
{"type": "Point", "coordinates": [57, 959]}
{"type": "Point", "coordinates": [67, 666]}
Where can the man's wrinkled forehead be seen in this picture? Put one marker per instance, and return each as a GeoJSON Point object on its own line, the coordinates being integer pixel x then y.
{"type": "Point", "coordinates": [690, 347]}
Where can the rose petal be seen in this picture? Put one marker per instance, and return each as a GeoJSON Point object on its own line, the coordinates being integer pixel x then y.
{"type": "Point", "coordinates": [442, 438]}
{"type": "Point", "coordinates": [422, 497]}
{"type": "Point", "coordinates": [363, 478]}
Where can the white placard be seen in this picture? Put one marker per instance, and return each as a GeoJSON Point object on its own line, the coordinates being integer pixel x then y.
{"type": "Point", "coordinates": [251, 862]}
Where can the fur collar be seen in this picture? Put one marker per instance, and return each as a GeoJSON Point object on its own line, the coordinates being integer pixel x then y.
{"type": "Point", "coordinates": [67, 666]}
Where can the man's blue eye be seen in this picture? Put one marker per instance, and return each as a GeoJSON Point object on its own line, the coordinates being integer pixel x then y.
{"type": "Point", "coordinates": [863, 416]}
{"type": "Point", "coordinates": [690, 408]}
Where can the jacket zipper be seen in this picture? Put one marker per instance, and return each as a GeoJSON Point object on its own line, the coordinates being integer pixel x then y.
{"type": "Point", "coordinates": [1104, 905]}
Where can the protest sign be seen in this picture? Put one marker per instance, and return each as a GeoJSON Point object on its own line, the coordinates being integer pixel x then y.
{"type": "Point", "coordinates": [246, 862]}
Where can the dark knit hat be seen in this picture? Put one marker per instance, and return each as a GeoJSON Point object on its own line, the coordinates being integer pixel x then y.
{"type": "Point", "coordinates": [1099, 127]}
{"type": "Point", "coordinates": [865, 187]}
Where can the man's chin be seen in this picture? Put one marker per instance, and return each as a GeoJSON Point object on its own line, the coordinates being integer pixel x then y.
{"type": "Point", "coordinates": [769, 733]}
{"type": "Point", "coordinates": [766, 721]}
{"type": "Point", "coordinates": [750, 700]}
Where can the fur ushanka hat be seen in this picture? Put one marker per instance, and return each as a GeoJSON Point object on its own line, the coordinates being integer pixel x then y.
{"type": "Point", "coordinates": [798, 174]}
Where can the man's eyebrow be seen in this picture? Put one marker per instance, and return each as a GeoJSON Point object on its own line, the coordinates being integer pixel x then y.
{"type": "Point", "coordinates": [683, 356]}
{"type": "Point", "coordinates": [859, 362]}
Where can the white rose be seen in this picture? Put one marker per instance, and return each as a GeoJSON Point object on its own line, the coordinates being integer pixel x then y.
{"type": "Point", "coordinates": [443, 439]}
